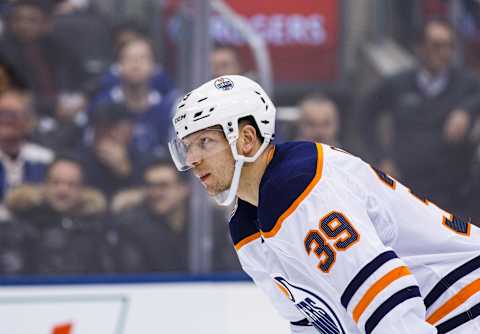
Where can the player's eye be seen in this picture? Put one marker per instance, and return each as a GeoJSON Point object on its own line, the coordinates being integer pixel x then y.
{"type": "Point", "coordinates": [205, 142]}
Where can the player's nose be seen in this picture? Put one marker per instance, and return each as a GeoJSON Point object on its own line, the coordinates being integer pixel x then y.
{"type": "Point", "coordinates": [193, 158]}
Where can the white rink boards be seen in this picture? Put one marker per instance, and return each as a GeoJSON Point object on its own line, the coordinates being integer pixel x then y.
{"type": "Point", "coordinates": [193, 307]}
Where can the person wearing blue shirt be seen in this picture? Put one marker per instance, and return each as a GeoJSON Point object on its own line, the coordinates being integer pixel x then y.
{"type": "Point", "coordinates": [151, 107]}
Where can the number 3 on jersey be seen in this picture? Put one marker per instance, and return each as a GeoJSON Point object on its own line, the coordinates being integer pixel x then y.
{"type": "Point", "coordinates": [334, 229]}
{"type": "Point", "coordinates": [448, 220]}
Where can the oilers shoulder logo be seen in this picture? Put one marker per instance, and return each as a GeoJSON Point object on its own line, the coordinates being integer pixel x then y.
{"type": "Point", "coordinates": [223, 84]}
{"type": "Point", "coordinates": [317, 311]}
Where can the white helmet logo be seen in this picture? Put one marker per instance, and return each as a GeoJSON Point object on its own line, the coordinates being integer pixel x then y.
{"type": "Point", "coordinates": [223, 84]}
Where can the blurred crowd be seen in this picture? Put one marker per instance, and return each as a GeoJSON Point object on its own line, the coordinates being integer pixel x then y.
{"type": "Point", "coordinates": [86, 185]}
{"type": "Point", "coordinates": [86, 182]}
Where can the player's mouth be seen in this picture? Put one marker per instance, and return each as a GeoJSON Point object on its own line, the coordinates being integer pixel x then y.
{"type": "Point", "coordinates": [204, 177]}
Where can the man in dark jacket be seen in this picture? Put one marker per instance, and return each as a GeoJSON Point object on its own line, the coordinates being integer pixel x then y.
{"type": "Point", "coordinates": [154, 225]}
{"type": "Point", "coordinates": [432, 108]}
{"type": "Point", "coordinates": [64, 218]}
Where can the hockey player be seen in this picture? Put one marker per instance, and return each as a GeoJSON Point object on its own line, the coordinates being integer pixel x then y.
{"type": "Point", "coordinates": [338, 246]}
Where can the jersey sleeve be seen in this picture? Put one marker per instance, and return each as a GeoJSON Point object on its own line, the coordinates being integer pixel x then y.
{"type": "Point", "coordinates": [328, 244]}
{"type": "Point", "coordinates": [287, 310]}
{"type": "Point", "coordinates": [252, 257]}
{"type": "Point", "coordinates": [283, 306]}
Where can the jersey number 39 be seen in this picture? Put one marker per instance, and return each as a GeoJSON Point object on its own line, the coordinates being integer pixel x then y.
{"type": "Point", "coordinates": [335, 233]}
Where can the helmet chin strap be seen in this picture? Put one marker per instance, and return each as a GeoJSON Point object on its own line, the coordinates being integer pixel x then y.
{"type": "Point", "coordinates": [227, 197]}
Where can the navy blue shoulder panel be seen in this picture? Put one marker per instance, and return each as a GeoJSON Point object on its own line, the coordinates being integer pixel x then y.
{"type": "Point", "coordinates": [243, 222]}
{"type": "Point", "coordinates": [291, 170]}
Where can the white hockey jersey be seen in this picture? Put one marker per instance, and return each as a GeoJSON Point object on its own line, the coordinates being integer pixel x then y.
{"type": "Point", "coordinates": [352, 250]}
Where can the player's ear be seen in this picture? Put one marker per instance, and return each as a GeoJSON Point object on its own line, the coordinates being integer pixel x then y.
{"type": "Point", "coordinates": [247, 140]}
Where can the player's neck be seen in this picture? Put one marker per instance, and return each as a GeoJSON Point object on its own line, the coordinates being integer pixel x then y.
{"type": "Point", "coordinates": [252, 173]}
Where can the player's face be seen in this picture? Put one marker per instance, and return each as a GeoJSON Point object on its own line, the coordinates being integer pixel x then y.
{"type": "Point", "coordinates": [211, 159]}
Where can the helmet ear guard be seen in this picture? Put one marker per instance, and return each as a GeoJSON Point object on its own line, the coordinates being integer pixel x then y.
{"type": "Point", "coordinates": [224, 101]}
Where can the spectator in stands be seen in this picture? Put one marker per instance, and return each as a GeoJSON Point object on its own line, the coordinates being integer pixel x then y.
{"type": "Point", "coordinates": [150, 107]}
{"type": "Point", "coordinates": [20, 160]}
{"type": "Point", "coordinates": [78, 25]}
{"type": "Point", "coordinates": [319, 120]}
{"type": "Point", "coordinates": [48, 65]}
{"type": "Point", "coordinates": [63, 131]}
{"type": "Point", "coordinates": [432, 107]}
{"type": "Point", "coordinates": [112, 162]}
{"type": "Point", "coordinates": [122, 34]}
{"type": "Point", "coordinates": [224, 60]}
{"type": "Point", "coordinates": [156, 217]}
{"type": "Point", "coordinates": [66, 218]}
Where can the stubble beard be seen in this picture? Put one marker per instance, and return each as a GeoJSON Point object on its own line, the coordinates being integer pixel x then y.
{"type": "Point", "coordinates": [218, 188]}
{"type": "Point", "coordinates": [222, 184]}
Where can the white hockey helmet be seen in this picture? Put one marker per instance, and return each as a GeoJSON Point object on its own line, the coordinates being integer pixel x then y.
{"type": "Point", "coordinates": [223, 101]}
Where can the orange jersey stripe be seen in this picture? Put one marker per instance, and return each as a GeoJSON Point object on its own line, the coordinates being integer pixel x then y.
{"type": "Point", "coordinates": [458, 299]}
{"type": "Point", "coordinates": [376, 288]}
{"type": "Point", "coordinates": [246, 240]}
{"type": "Point", "coordinates": [270, 154]}
{"type": "Point", "coordinates": [283, 290]}
{"type": "Point", "coordinates": [296, 203]}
